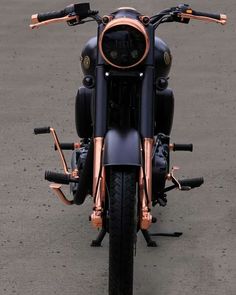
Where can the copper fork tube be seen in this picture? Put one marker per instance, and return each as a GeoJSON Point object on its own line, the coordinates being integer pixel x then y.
{"type": "Point", "coordinates": [145, 185]}
{"type": "Point", "coordinates": [97, 159]}
{"type": "Point", "coordinates": [98, 183]}
{"type": "Point", "coordinates": [148, 146]}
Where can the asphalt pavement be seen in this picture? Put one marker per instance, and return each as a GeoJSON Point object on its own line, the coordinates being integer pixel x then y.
{"type": "Point", "coordinates": [44, 245]}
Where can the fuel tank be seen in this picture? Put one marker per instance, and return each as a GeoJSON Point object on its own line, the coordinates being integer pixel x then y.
{"type": "Point", "coordinates": [163, 58]}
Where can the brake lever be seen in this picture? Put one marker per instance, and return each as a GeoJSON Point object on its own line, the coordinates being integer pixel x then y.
{"type": "Point", "coordinates": [55, 20]}
{"type": "Point", "coordinates": [171, 15]}
{"type": "Point", "coordinates": [75, 21]}
{"type": "Point", "coordinates": [177, 11]}
{"type": "Point", "coordinates": [179, 19]}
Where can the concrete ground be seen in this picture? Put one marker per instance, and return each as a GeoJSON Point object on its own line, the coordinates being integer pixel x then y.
{"type": "Point", "coordinates": [44, 246]}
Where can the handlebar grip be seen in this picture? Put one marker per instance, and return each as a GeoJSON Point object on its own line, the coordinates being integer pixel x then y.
{"type": "Point", "coordinates": [80, 9]}
{"type": "Point", "coordinates": [192, 182]}
{"type": "Point", "coordinates": [182, 147]}
{"type": "Point", "coordinates": [206, 14]}
{"type": "Point", "coordinates": [57, 177]}
{"type": "Point", "coordinates": [50, 15]}
{"type": "Point", "coordinates": [41, 130]}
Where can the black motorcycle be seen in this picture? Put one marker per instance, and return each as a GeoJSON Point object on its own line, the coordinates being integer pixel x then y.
{"type": "Point", "coordinates": [123, 116]}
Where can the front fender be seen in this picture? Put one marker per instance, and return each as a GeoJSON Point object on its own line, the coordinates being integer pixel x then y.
{"type": "Point", "coordinates": [122, 148]}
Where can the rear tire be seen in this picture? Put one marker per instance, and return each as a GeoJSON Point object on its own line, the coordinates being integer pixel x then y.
{"type": "Point", "coordinates": [122, 229]}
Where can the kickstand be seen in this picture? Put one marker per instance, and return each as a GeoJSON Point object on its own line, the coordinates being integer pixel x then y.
{"type": "Point", "coordinates": [99, 239]}
{"type": "Point", "coordinates": [148, 239]}
{"type": "Point", "coordinates": [173, 235]}
{"type": "Point", "coordinates": [151, 243]}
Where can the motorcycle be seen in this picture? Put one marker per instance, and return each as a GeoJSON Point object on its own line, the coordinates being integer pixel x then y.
{"type": "Point", "coordinates": [123, 117]}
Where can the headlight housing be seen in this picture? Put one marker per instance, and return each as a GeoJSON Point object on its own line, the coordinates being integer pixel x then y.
{"type": "Point", "coordinates": [124, 43]}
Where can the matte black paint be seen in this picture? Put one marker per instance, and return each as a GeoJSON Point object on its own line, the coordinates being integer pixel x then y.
{"type": "Point", "coordinates": [83, 116]}
{"type": "Point", "coordinates": [147, 110]}
{"type": "Point", "coordinates": [164, 111]}
{"type": "Point", "coordinates": [122, 148]}
{"type": "Point", "coordinates": [100, 112]}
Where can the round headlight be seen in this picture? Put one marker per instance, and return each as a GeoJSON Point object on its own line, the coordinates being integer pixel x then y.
{"type": "Point", "coordinates": [124, 43]}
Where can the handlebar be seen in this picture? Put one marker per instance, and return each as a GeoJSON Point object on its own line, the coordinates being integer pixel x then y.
{"type": "Point", "coordinates": [183, 13]}
{"type": "Point", "coordinates": [204, 16]}
{"type": "Point", "coordinates": [75, 13]}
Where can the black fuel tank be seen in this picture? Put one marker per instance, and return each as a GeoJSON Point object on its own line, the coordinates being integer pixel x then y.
{"type": "Point", "coordinates": [162, 53]}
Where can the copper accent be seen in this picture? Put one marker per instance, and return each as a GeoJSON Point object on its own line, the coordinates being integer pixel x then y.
{"type": "Point", "coordinates": [170, 176]}
{"type": "Point", "coordinates": [223, 16]}
{"type": "Point", "coordinates": [171, 146]}
{"type": "Point", "coordinates": [99, 199]}
{"type": "Point", "coordinates": [189, 11]}
{"type": "Point", "coordinates": [148, 146]}
{"type": "Point", "coordinates": [75, 173]}
{"type": "Point", "coordinates": [146, 220]}
{"type": "Point", "coordinates": [65, 167]}
{"type": "Point", "coordinates": [98, 183]}
{"type": "Point", "coordinates": [145, 185]}
{"type": "Point", "coordinates": [77, 145]}
{"type": "Point", "coordinates": [106, 19]}
{"type": "Point", "coordinates": [145, 215]}
{"type": "Point", "coordinates": [97, 158]}
{"type": "Point", "coordinates": [96, 218]}
{"type": "Point", "coordinates": [54, 20]}
{"type": "Point", "coordinates": [128, 8]}
{"type": "Point", "coordinates": [56, 188]}
{"type": "Point", "coordinates": [145, 19]}
{"type": "Point", "coordinates": [103, 185]}
{"type": "Point", "coordinates": [100, 196]}
{"type": "Point", "coordinates": [129, 22]}
{"type": "Point", "coordinates": [34, 19]}
{"type": "Point", "coordinates": [222, 21]}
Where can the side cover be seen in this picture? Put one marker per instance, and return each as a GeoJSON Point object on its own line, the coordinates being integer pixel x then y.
{"type": "Point", "coordinates": [122, 148]}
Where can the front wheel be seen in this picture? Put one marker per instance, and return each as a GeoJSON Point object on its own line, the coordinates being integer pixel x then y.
{"type": "Point", "coordinates": [122, 229]}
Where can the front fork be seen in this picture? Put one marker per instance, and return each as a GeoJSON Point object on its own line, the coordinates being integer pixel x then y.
{"type": "Point", "coordinates": [145, 184]}
{"type": "Point", "coordinates": [98, 183]}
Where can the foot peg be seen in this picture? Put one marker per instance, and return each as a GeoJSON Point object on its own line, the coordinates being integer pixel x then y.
{"type": "Point", "coordinates": [181, 147]}
{"type": "Point", "coordinates": [60, 177]}
{"type": "Point", "coordinates": [42, 130]}
{"type": "Point", "coordinates": [185, 184]}
{"type": "Point", "coordinates": [192, 182]}
{"type": "Point", "coordinates": [68, 146]}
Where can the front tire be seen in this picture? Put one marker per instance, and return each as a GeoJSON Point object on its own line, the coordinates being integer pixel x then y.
{"type": "Point", "coordinates": [122, 229]}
